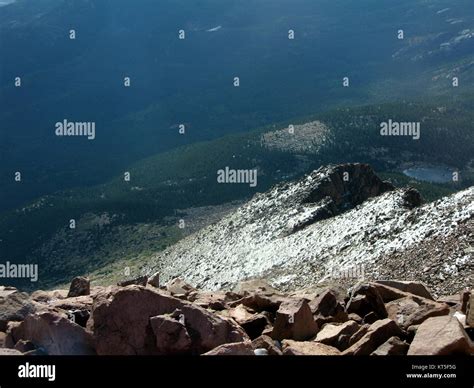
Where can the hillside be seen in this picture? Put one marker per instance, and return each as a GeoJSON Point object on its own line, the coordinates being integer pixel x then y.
{"type": "Point", "coordinates": [122, 223]}
{"type": "Point", "coordinates": [323, 226]}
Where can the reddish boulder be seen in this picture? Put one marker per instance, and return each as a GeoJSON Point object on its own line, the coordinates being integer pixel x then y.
{"type": "Point", "coordinates": [441, 336]}
{"type": "Point", "coordinates": [14, 306]}
{"type": "Point", "coordinates": [171, 334]}
{"type": "Point", "coordinates": [234, 349]}
{"type": "Point", "coordinates": [308, 348]}
{"type": "Point", "coordinates": [378, 333]}
{"type": "Point", "coordinates": [121, 322]}
{"type": "Point", "coordinates": [53, 332]}
{"type": "Point", "coordinates": [266, 342]}
{"type": "Point", "coordinates": [394, 346]}
{"type": "Point", "coordinates": [294, 320]}
{"type": "Point", "coordinates": [411, 311]}
{"type": "Point", "coordinates": [79, 286]}
{"type": "Point", "coordinates": [414, 288]}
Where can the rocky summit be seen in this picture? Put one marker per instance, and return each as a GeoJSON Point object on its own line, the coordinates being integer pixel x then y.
{"type": "Point", "coordinates": [339, 223]}
{"type": "Point", "coordinates": [374, 318]}
{"type": "Point", "coordinates": [311, 267]}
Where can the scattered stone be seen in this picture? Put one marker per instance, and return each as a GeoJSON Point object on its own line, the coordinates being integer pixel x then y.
{"type": "Point", "coordinates": [414, 288]}
{"type": "Point", "coordinates": [47, 296]}
{"type": "Point", "coordinates": [410, 311]}
{"type": "Point", "coordinates": [272, 346]}
{"type": "Point", "coordinates": [179, 287]}
{"type": "Point", "coordinates": [154, 280]}
{"type": "Point", "coordinates": [326, 308]}
{"type": "Point", "coordinates": [355, 317]}
{"type": "Point", "coordinates": [171, 334]}
{"type": "Point", "coordinates": [366, 299]}
{"type": "Point", "coordinates": [359, 334]}
{"type": "Point", "coordinates": [261, 352]}
{"type": "Point", "coordinates": [378, 333]}
{"type": "Point", "coordinates": [24, 346]}
{"type": "Point", "coordinates": [3, 337]}
{"type": "Point", "coordinates": [460, 317]}
{"type": "Point", "coordinates": [139, 281]}
{"type": "Point", "coordinates": [294, 320]}
{"type": "Point", "coordinates": [440, 336]}
{"type": "Point", "coordinates": [234, 349]}
{"type": "Point", "coordinates": [465, 295]}
{"type": "Point", "coordinates": [261, 302]}
{"type": "Point", "coordinates": [53, 332]}
{"type": "Point", "coordinates": [10, 352]}
{"type": "Point", "coordinates": [470, 311]}
{"type": "Point", "coordinates": [394, 346]}
{"type": "Point", "coordinates": [125, 313]}
{"type": "Point", "coordinates": [252, 323]}
{"type": "Point", "coordinates": [337, 335]}
{"type": "Point", "coordinates": [308, 348]}
{"type": "Point", "coordinates": [14, 306]}
{"type": "Point", "coordinates": [254, 286]}
{"type": "Point", "coordinates": [79, 286]}
{"type": "Point", "coordinates": [411, 332]}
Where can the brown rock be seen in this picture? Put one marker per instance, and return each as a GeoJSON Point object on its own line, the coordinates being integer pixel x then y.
{"type": "Point", "coordinates": [337, 335]}
{"type": "Point", "coordinates": [79, 286]}
{"type": "Point", "coordinates": [470, 311]}
{"type": "Point", "coordinates": [171, 334]}
{"type": "Point", "coordinates": [394, 346]}
{"type": "Point", "coordinates": [139, 281]}
{"type": "Point", "coordinates": [234, 349]}
{"type": "Point", "coordinates": [254, 286]}
{"type": "Point", "coordinates": [24, 346]}
{"type": "Point", "coordinates": [440, 336]}
{"type": "Point", "coordinates": [359, 334]}
{"type": "Point", "coordinates": [365, 299]}
{"type": "Point", "coordinates": [308, 348]}
{"type": "Point", "coordinates": [326, 308]}
{"type": "Point", "coordinates": [414, 288]}
{"type": "Point", "coordinates": [378, 333]}
{"type": "Point", "coordinates": [266, 342]}
{"type": "Point", "coordinates": [47, 296]}
{"type": "Point", "coordinates": [408, 311]}
{"type": "Point", "coordinates": [154, 280]}
{"type": "Point", "coordinates": [10, 352]}
{"type": "Point", "coordinates": [355, 317]}
{"type": "Point", "coordinates": [179, 287]}
{"type": "Point", "coordinates": [3, 337]}
{"type": "Point", "coordinates": [294, 320]}
{"type": "Point", "coordinates": [252, 323]}
{"type": "Point", "coordinates": [464, 299]}
{"type": "Point", "coordinates": [125, 313]}
{"type": "Point", "coordinates": [14, 306]}
{"type": "Point", "coordinates": [261, 302]}
{"type": "Point", "coordinates": [324, 304]}
{"type": "Point", "coordinates": [53, 332]}
{"type": "Point", "coordinates": [389, 294]}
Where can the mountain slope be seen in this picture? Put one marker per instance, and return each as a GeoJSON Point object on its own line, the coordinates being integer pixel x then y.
{"type": "Point", "coordinates": [300, 233]}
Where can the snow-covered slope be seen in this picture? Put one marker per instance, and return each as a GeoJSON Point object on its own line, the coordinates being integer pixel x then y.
{"type": "Point", "coordinates": [337, 220]}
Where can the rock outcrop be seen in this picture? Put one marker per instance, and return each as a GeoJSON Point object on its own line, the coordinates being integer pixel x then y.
{"type": "Point", "coordinates": [252, 320]}
{"type": "Point", "coordinates": [339, 223]}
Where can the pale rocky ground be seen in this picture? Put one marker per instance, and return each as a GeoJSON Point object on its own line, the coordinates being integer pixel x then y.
{"type": "Point", "coordinates": [279, 236]}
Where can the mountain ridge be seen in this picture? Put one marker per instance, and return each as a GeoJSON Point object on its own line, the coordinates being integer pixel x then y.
{"type": "Point", "coordinates": [259, 239]}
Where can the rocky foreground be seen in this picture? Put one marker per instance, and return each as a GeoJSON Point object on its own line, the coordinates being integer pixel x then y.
{"type": "Point", "coordinates": [140, 317]}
